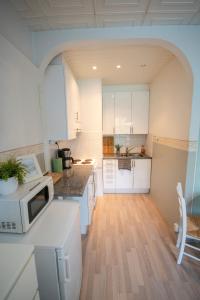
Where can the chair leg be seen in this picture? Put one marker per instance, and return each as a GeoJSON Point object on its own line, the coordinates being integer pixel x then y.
{"type": "Point", "coordinates": [178, 243]}
{"type": "Point", "coordinates": [180, 256]}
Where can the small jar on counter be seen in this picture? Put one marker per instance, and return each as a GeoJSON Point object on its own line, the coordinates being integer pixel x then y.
{"type": "Point", "coordinates": [143, 150]}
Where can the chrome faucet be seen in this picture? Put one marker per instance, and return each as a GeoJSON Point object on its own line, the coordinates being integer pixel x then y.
{"type": "Point", "coordinates": [129, 149]}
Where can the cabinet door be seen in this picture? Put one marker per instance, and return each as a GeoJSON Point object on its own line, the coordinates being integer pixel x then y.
{"type": "Point", "coordinates": [108, 113]}
{"type": "Point", "coordinates": [27, 285]}
{"type": "Point", "coordinates": [90, 188]}
{"type": "Point", "coordinates": [124, 180]}
{"type": "Point", "coordinates": [71, 90]}
{"type": "Point", "coordinates": [77, 108]}
{"type": "Point", "coordinates": [140, 112]}
{"type": "Point", "coordinates": [123, 118]}
{"type": "Point", "coordinates": [142, 172]}
{"type": "Point", "coordinates": [54, 106]}
{"type": "Point", "coordinates": [70, 265]}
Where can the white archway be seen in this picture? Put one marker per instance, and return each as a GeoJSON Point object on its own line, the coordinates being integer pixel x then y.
{"type": "Point", "coordinates": [63, 44]}
{"type": "Point", "coordinates": [154, 42]}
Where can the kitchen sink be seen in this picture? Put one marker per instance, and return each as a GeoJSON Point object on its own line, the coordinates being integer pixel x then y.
{"type": "Point", "coordinates": [133, 155]}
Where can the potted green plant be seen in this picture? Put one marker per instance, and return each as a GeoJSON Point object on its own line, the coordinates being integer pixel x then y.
{"type": "Point", "coordinates": [12, 172]}
{"type": "Point", "coordinates": [118, 147]}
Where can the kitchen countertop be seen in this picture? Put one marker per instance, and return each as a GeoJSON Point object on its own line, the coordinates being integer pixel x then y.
{"type": "Point", "coordinates": [134, 156]}
{"type": "Point", "coordinates": [73, 181]}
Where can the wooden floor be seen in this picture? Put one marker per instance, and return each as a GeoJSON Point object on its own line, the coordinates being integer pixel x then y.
{"type": "Point", "coordinates": [130, 254]}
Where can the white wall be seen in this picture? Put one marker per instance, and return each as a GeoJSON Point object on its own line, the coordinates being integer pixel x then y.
{"type": "Point", "coordinates": [88, 143]}
{"type": "Point", "coordinates": [14, 29]}
{"type": "Point", "coordinates": [91, 119]}
{"type": "Point", "coordinates": [170, 102]}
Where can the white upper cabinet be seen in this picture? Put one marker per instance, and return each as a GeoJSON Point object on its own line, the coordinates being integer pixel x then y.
{"type": "Point", "coordinates": [108, 113]}
{"type": "Point", "coordinates": [61, 103]}
{"type": "Point", "coordinates": [73, 103]}
{"type": "Point", "coordinates": [125, 110]}
{"type": "Point", "coordinates": [77, 109]}
{"type": "Point", "coordinates": [123, 118]}
{"type": "Point", "coordinates": [91, 105]}
{"type": "Point", "coordinates": [140, 112]}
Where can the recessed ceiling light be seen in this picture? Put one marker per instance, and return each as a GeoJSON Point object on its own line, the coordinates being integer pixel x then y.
{"type": "Point", "coordinates": [94, 67]}
{"type": "Point", "coordinates": [118, 66]}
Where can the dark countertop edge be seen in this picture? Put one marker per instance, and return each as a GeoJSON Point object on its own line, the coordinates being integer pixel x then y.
{"type": "Point", "coordinates": [63, 194]}
{"type": "Point", "coordinates": [115, 156]}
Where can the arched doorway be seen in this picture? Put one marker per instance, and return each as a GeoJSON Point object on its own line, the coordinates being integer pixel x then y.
{"type": "Point", "coordinates": [189, 163]}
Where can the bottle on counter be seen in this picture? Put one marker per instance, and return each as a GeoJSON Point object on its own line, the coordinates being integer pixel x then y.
{"type": "Point", "coordinates": [143, 150]}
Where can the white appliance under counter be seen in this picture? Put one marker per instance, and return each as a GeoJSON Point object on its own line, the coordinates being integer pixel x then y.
{"type": "Point", "coordinates": [57, 241]}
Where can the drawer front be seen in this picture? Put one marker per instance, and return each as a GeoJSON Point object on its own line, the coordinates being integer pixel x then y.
{"type": "Point", "coordinates": [109, 162]}
{"type": "Point", "coordinates": [27, 285]}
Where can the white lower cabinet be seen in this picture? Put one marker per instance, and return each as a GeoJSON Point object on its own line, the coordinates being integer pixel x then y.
{"type": "Point", "coordinates": [87, 204]}
{"type": "Point", "coordinates": [18, 272]}
{"type": "Point", "coordinates": [141, 175]}
{"type": "Point", "coordinates": [124, 180]}
{"type": "Point", "coordinates": [26, 286]}
{"type": "Point", "coordinates": [90, 197]}
{"type": "Point", "coordinates": [136, 180]}
{"type": "Point", "coordinates": [109, 170]}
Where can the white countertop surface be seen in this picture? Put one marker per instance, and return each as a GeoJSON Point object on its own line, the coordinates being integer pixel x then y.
{"type": "Point", "coordinates": [12, 260]}
{"type": "Point", "coordinates": [51, 229]}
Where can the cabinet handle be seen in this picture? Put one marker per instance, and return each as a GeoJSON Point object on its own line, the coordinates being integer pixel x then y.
{"type": "Point", "coordinates": [130, 129]}
{"type": "Point", "coordinates": [133, 163]}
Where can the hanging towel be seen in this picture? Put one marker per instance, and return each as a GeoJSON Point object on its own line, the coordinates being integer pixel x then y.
{"type": "Point", "coordinates": [124, 164]}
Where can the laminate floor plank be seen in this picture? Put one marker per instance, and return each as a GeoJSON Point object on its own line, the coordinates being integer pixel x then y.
{"type": "Point", "coordinates": [130, 254]}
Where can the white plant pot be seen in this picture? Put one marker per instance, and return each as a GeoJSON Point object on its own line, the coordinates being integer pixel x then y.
{"type": "Point", "coordinates": [8, 186]}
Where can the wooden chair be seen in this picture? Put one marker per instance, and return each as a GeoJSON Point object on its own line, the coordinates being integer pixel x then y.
{"type": "Point", "coordinates": [189, 228]}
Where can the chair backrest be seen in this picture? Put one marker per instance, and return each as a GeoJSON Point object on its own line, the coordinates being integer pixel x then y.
{"type": "Point", "coordinates": [182, 205]}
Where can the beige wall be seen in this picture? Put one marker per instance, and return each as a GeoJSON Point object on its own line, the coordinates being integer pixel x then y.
{"type": "Point", "coordinates": [168, 167]}
{"type": "Point", "coordinates": [170, 102]}
{"type": "Point", "coordinates": [170, 109]}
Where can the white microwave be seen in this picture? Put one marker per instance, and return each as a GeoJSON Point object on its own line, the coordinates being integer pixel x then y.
{"type": "Point", "coordinates": [18, 211]}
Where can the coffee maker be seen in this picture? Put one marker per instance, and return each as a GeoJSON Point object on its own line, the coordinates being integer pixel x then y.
{"type": "Point", "coordinates": [67, 160]}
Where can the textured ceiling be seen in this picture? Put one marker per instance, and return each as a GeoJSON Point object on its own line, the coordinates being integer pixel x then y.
{"type": "Point", "coordinates": [60, 14]}
{"type": "Point", "coordinates": [139, 64]}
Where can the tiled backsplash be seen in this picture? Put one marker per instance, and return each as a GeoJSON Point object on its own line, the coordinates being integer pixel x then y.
{"type": "Point", "coordinates": [38, 150]}
{"type": "Point", "coordinates": [127, 140]}
{"type": "Point", "coordinates": [86, 145]}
